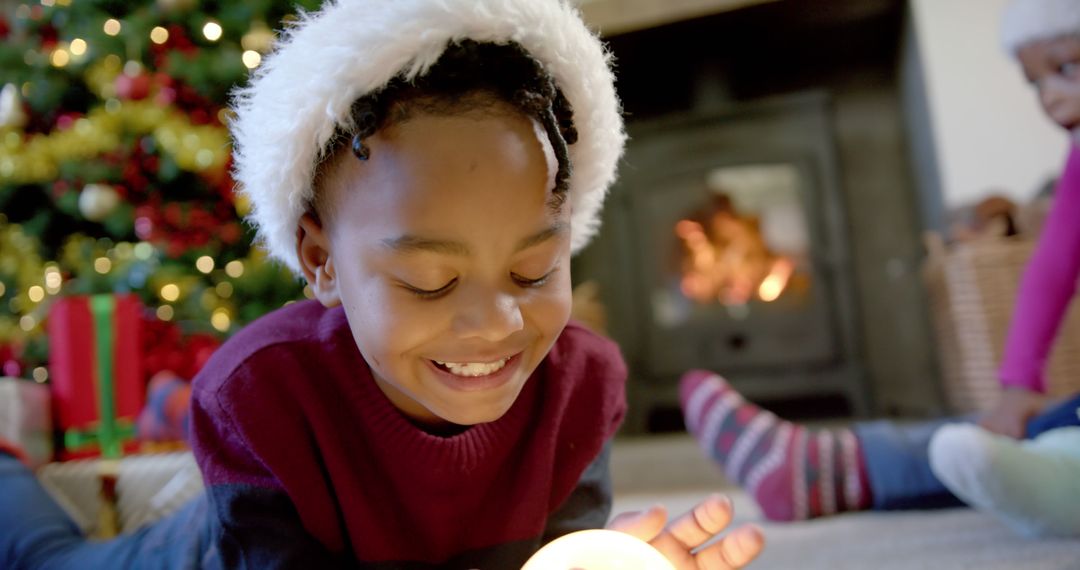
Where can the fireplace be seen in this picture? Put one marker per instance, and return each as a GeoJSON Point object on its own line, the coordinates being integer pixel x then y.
{"type": "Point", "coordinates": [724, 247]}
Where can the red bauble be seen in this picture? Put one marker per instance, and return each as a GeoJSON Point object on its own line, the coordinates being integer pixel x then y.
{"type": "Point", "coordinates": [133, 87]}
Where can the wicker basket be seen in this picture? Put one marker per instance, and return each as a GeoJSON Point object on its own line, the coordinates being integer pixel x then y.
{"type": "Point", "coordinates": [972, 289]}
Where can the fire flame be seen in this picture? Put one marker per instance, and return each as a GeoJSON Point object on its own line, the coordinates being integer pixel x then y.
{"type": "Point", "coordinates": [729, 262]}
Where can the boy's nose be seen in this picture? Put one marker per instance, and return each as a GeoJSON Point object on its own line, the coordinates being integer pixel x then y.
{"type": "Point", "coordinates": [488, 315]}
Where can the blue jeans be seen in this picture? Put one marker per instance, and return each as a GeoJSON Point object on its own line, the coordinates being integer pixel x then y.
{"type": "Point", "coordinates": [899, 468]}
{"type": "Point", "coordinates": [36, 533]}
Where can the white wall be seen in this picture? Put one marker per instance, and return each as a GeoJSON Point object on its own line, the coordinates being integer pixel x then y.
{"type": "Point", "coordinates": [989, 131]}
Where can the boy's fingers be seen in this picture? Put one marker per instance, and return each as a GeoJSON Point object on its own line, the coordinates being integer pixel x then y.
{"type": "Point", "coordinates": [644, 525]}
{"type": "Point", "coordinates": [702, 523]}
{"type": "Point", "coordinates": [734, 551]}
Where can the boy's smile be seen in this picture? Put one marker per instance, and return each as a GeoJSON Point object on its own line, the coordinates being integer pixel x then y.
{"type": "Point", "coordinates": [1053, 66]}
{"type": "Point", "coordinates": [450, 258]}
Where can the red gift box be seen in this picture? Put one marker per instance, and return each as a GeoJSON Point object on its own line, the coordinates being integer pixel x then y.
{"type": "Point", "coordinates": [96, 372]}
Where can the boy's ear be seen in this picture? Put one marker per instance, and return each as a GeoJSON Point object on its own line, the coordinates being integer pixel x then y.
{"type": "Point", "coordinates": [316, 261]}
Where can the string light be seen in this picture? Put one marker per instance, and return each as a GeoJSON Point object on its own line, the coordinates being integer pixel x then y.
{"type": "Point", "coordinates": [159, 35]}
{"type": "Point", "coordinates": [308, 292]}
{"type": "Point", "coordinates": [220, 320]}
{"type": "Point", "coordinates": [251, 59]}
{"type": "Point", "coordinates": [41, 374]}
{"type": "Point", "coordinates": [234, 268]}
{"type": "Point", "coordinates": [224, 289]}
{"type": "Point", "coordinates": [47, 3]}
{"type": "Point", "coordinates": [78, 46]}
{"type": "Point", "coordinates": [102, 265]}
{"type": "Point", "coordinates": [112, 27]}
{"type": "Point", "coordinates": [60, 57]}
{"type": "Point", "coordinates": [143, 250]}
{"type": "Point", "coordinates": [27, 323]}
{"type": "Point", "coordinates": [205, 264]}
{"type": "Point", "coordinates": [170, 292]}
{"type": "Point", "coordinates": [3, 288]}
{"type": "Point", "coordinates": [53, 280]}
{"type": "Point", "coordinates": [36, 293]}
{"type": "Point", "coordinates": [165, 313]}
{"type": "Point", "coordinates": [212, 31]}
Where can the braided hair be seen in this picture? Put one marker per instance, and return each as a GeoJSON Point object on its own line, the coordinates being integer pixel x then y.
{"type": "Point", "coordinates": [468, 76]}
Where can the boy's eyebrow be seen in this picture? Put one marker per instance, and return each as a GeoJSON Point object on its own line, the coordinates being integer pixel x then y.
{"type": "Point", "coordinates": [415, 244]}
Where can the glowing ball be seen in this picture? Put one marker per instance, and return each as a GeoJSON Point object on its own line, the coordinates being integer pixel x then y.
{"type": "Point", "coordinates": [598, 550]}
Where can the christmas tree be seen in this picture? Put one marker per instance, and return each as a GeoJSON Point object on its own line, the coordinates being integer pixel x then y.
{"type": "Point", "coordinates": [114, 171]}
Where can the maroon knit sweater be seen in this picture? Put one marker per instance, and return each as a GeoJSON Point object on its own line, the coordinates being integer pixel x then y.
{"type": "Point", "coordinates": [307, 462]}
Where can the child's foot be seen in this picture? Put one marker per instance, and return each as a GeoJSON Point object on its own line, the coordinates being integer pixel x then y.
{"type": "Point", "coordinates": [1033, 486]}
{"type": "Point", "coordinates": [793, 473]}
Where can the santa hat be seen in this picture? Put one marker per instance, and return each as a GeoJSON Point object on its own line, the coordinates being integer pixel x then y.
{"type": "Point", "coordinates": [1026, 21]}
{"type": "Point", "coordinates": [303, 91]}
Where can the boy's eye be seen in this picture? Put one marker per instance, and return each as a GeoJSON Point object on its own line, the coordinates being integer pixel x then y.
{"type": "Point", "coordinates": [430, 293]}
{"type": "Point", "coordinates": [526, 282]}
{"type": "Point", "coordinates": [1069, 69]}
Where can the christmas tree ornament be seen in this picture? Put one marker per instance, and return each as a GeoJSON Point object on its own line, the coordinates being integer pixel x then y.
{"type": "Point", "coordinates": [133, 86]}
{"type": "Point", "coordinates": [12, 114]}
{"type": "Point", "coordinates": [97, 201]}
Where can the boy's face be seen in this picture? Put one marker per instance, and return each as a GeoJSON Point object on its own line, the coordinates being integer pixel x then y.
{"type": "Point", "coordinates": [450, 261]}
{"type": "Point", "coordinates": [1053, 66]}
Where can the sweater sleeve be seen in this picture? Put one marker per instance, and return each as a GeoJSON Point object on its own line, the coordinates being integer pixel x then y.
{"type": "Point", "coordinates": [589, 504]}
{"type": "Point", "coordinates": [1049, 283]}
{"type": "Point", "coordinates": [253, 520]}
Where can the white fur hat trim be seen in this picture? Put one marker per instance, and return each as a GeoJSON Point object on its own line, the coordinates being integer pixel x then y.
{"type": "Point", "coordinates": [303, 91]}
{"type": "Point", "coordinates": [1026, 21]}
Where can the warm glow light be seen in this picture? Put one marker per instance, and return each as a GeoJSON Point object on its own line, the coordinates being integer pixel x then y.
{"type": "Point", "coordinates": [598, 550]}
{"type": "Point", "coordinates": [773, 285]}
{"type": "Point", "coordinates": [143, 250]}
{"type": "Point", "coordinates": [36, 293]}
{"type": "Point", "coordinates": [3, 288]}
{"type": "Point", "coordinates": [725, 259]}
{"type": "Point", "coordinates": [165, 312]}
{"type": "Point", "coordinates": [112, 26]}
{"type": "Point", "coordinates": [251, 59]}
{"type": "Point", "coordinates": [102, 265]}
{"type": "Point", "coordinates": [27, 323]}
{"type": "Point", "coordinates": [170, 292]}
{"type": "Point", "coordinates": [60, 57]}
{"type": "Point", "coordinates": [234, 268]}
{"type": "Point", "coordinates": [212, 31]}
{"type": "Point", "coordinates": [41, 374]}
{"type": "Point", "coordinates": [78, 46]}
{"type": "Point", "coordinates": [159, 35]}
{"type": "Point", "coordinates": [53, 280]}
{"type": "Point", "coordinates": [205, 264]}
{"type": "Point", "coordinates": [224, 289]}
{"type": "Point", "coordinates": [220, 320]}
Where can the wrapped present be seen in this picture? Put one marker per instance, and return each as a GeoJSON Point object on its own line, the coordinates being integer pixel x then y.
{"type": "Point", "coordinates": [106, 496]}
{"type": "Point", "coordinates": [96, 371]}
{"type": "Point", "coordinates": [25, 418]}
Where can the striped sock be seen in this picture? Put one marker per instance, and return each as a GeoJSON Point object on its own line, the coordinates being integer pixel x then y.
{"type": "Point", "coordinates": [794, 473]}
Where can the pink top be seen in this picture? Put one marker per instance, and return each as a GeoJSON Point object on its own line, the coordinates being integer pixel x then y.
{"type": "Point", "coordinates": [1049, 284]}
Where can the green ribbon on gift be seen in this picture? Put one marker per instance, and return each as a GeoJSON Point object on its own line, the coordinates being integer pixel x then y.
{"type": "Point", "coordinates": [110, 432]}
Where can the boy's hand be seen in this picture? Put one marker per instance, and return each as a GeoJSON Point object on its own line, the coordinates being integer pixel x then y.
{"type": "Point", "coordinates": [681, 540]}
{"type": "Point", "coordinates": [1010, 414]}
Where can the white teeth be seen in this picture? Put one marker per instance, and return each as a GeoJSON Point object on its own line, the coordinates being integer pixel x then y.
{"type": "Point", "coordinates": [474, 368]}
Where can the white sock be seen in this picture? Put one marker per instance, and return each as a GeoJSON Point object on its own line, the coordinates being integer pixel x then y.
{"type": "Point", "coordinates": [1032, 486]}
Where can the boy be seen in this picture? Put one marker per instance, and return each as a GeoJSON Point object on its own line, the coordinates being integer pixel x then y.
{"type": "Point", "coordinates": [428, 166]}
